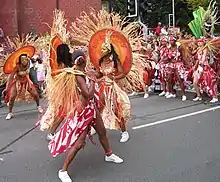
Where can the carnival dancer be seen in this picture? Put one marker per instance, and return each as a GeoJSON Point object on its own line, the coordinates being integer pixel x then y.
{"type": "Point", "coordinates": [176, 69]}
{"type": "Point", "coordinates": [75, 94]}
{"type": "Point", "coordinates": [116, 104]}
{"type": "Point", "coordinates": [162, 67]}
{"type": "Point", "coordinates": [203, 25]}
{"type": "Point", "coordinates": [204, 76]}
{"type": "Point", "coordinates": [118, 58]}
{"type": "Point", "coordinates": [19, 83]}
{"type": "Point", "coordinates": [151, 54]}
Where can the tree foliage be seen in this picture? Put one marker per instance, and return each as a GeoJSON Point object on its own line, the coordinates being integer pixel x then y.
{"type": "Point", "coordinates": [194, 4]}
{"type": "Point", "coordinates": [162, 9]}
{"type": "Point", "coordinates": [121, 7]}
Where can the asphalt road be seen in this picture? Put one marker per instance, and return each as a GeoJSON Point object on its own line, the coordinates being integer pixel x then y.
{"type": "Point", "coordinates": [170, 142]}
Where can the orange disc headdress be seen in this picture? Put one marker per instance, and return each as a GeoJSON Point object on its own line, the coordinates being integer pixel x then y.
{"type": "Point", "coordinates": [12, 60]}
{"type": "Point", "coordinates": [97, 29]}
{"type": "Point", "coordinates": [55, 42]}
{"type": "Point", "coordinates": [106, 38]}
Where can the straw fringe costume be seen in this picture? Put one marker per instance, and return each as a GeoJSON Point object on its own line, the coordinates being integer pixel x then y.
{"type": "Point", "coordinates": [65, 96]}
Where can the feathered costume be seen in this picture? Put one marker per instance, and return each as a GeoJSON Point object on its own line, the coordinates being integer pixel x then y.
{"type": "Point", "coordinates": [24, 44]}
{"type": "Point", "coordinates": [204, 20]}
{"type": "Point", "coordinates": [203, 25]}
{"type": "Point", "coordinates": [108, 31]}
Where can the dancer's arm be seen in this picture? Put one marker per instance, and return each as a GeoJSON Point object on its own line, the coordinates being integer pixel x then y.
{"type": "Point", "coordinates": [196, 65]}
{"type": "Point", "coordinates": [204, 55]}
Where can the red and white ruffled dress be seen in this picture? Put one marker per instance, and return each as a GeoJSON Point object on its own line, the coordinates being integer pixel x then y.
{"type": "Point", "coordinates": [162, 65]}
{"type": "Point", "coordinates": [176, 66]}
{"type": "Point", "coordinates": [207, 80]}
{"type": "Point", "coordinates": [73, 127]}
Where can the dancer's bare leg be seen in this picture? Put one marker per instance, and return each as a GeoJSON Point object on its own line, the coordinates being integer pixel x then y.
{"type": "Point", "coordinates": [195, 84]}
{"type": "Point", "coordinates": [101, 131]}
{"type": "Point", "coordinates": [182, 86]}
{"type": "Point", "coordinates": [145, 88]}
{"type": "Point", "coordinates": [170, 86]}
{"type": "Point", "coordinates": [13, 95]}
{"type": "Point", "coordinates": [80, 143]}
{"type": "Point", "coordinates": [35, 96]}
{"type": "Point", "coordinates": [164, 86]}
{"type": "Point", "coordinates": [122, 125]}
{"type": "Point", "coordinates": [124, 135]}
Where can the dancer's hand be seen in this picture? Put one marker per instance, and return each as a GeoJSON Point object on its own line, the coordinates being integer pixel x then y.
{"type": "Point", "coordinates": [92, 75]}
{"type": "Point", "coordinates": [111, 76]}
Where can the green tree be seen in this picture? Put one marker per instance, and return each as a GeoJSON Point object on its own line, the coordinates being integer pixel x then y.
{"type": "Point", "coordinates": [161, 11]}
{"type": "Point", "coordinates": [121, 7]}
{"type": "Point", "coordinates": [194, 4]}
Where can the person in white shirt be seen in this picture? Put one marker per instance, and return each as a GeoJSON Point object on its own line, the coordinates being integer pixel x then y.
{"type": "Point", "coordinates": [33, 74]}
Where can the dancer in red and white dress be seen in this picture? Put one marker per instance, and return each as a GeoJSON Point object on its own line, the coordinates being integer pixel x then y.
{"type": "Point", "coordinates": [205, 78]}
{"type": "Point", "coordinates": [163, 67]}
{"type": "Point", "coordinates": [74, 92]}
{"type": "Point", "coordinates": [176, 69]}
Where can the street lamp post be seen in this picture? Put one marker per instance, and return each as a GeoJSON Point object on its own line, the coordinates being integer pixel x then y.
{"type": "Point", "coordinates": [173, 4]}
{"type": "Point", "coordinates": [57, 4]}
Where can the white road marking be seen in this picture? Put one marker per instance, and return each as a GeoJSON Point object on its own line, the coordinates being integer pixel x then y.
{"type": "Point", "coordinates": [175, 118]}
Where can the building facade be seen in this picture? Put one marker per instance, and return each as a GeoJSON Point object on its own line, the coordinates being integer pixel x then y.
{"type": "Point", "coordinates": [24, 16]}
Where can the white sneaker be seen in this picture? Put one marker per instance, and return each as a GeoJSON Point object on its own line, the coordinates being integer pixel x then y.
{"type": "Point", "coordinates": [40, 110]}
{"type": "Point", "coordinates": [50, 136]}
{"type": "Point", "coordinates": [197, 99]}
{"type": "Point", "coordinates": [162, 94]}
{"type": "Point", "coordinates": [93, 132]}
{"type": "Point", "coordinates": [136, 93]}
{"type": "Point", "coordinates": [64, 177]}
{"type": "Point", "coordinates": [9, 116]}
{"type": "Point", "coordinates": [150, 89]}
{"type": "Point", "coordinates": [146, 96]}
{"type": "Point", "coordinates": [171, 96]}
{"type": "Point", "coordinates": [124, 137]}
{"type": "Point", "coordinates": [132, 94]}
{"type": "Point", "coordinates": [113, 158]}
{"type": "Point", "coordinates": [183, 98]}
{"type": "Point", "coordinates": [214, 100]}
{"type": "Point", "coordinates": [167, 93]}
